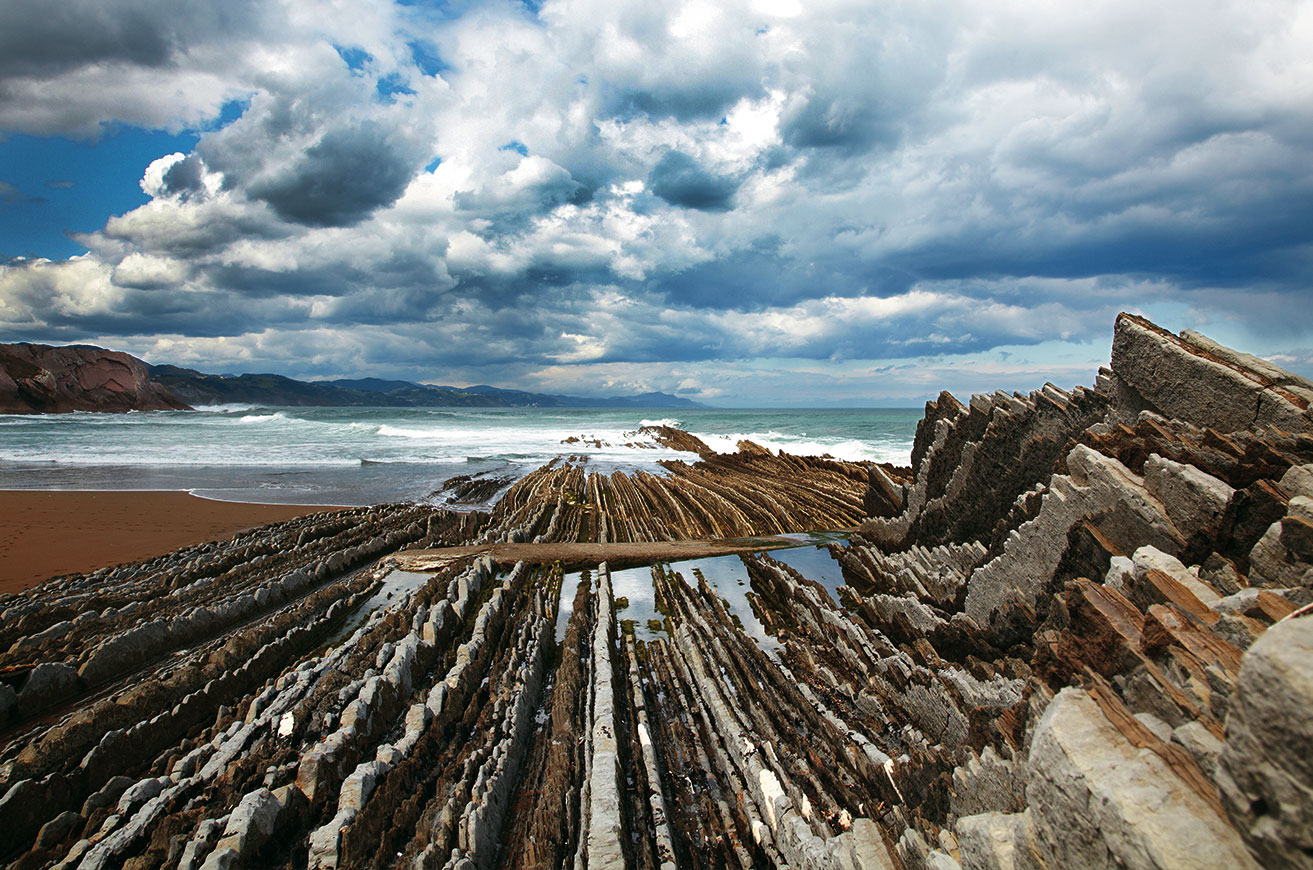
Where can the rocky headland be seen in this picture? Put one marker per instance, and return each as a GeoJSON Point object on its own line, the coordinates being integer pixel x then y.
{"type": "Point", "coordinates": [1072, 634]}
{"type": "Point", "coordinates": [40, 379]}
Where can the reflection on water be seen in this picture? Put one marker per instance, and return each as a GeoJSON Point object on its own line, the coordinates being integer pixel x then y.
{"type": "Point", "coordinates": [569, 588]}
{"type": "Point", "coordinates": [727, 576]}
{"type": "Point", "coordinates": [815, 562]}
{"type": "Point", "coordinates": [396, 586]}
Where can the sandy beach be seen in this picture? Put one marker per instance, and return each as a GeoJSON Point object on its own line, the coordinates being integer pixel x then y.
{"type": "Point", "coordinates": [45, 534]}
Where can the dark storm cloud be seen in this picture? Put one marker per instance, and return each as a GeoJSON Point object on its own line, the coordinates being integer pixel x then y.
{"type": "Point", "coordinates": [841, 122]}
{"type": "Point", "coordinates": [162, 235]}
{"type": "Point", "coordinates": [342, 179]}
{"type": "Point", "coordinates": [701, 101]}
{"type": "Point", "coordinates": [679, 180]}
{"type": "Point", "coordinates": [186, 177]}
{"type": "Point", "coordinates": [1220, 231]}
{"type": "Point", "coordinates": [44, 37]}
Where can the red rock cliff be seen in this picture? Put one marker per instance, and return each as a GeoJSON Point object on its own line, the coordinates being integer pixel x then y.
{"type": "Point", "coordinates": [40, 379]}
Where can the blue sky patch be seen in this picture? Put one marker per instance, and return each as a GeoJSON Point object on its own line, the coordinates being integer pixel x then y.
{"type": "Point", "coordinates": [425, 56]}
{"type": "Point", "coordinates": [64, 185]}
{"type": "Point", "coordinates": [354, 57]}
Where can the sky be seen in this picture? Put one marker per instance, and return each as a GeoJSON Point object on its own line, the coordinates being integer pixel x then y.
{"type": "Point", "coordinates": [765, 202]}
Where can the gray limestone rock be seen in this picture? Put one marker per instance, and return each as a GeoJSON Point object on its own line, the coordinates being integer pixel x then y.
{"type": "Point", "coordinates": [124, 651]}
{"type": "Point", "coordinates": [8, 701]}
{"type": "Point", "coordinates": [988, 782]}
{"type": "Point", "coordinates": [1241, 602]}
{"type": "Point", "coordinates": [938, 860]}
{"type": "Point", "coordinates": [358, 786]}
{"type": "Point", "coordinates": [1190, 381]}
{"type": "Point", "coordinates": [1096, 484]}
{"type": "Point", "coordinates": [990, 841]}
{"type": "Point", "coordinates": [1298, 386]}
{"type": "Point", "coordinates": [109, 793]}
{"type": "Point", "coordinates": [251, 824]}
{"type": "Point", "coordinates": [1195, 500]}
{"type": "Point", "coordinates": [1200, 743]}
{"type": "Point", "coordinates": [1298, 480]}
{"type": "Point", "coordinates": [1283, 557]}
{"type": "Point", "coordinates": [868, 848]}
{"type": "Point", "coordinates": [140, 792]}
{"type": "Point", "coordinates": [47, 684]}
{"type": "Point", "coordinates": [1265, 773]}
{"type": "Point", "coordinates": [1220, 574]}
{"type": "Point", "coordinates": [1098, 801]}
{"type": "Point", "coordinates": [58, 829]}
{"type": "Point", "coordinates": [1149, 558]}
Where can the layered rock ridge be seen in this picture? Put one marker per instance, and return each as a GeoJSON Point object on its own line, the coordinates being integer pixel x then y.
{"type": "Point", "coordinates": [750, 492]}
{"type": "Point", "coordinates": [1075, 633]}
{"type": "Point", "coordinates": [1126, 577]}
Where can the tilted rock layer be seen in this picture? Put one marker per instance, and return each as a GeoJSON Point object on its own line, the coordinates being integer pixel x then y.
{"type": "Point", "coordinates": [1072, 635]}
{"type": "Point", "coordinates": [39, 379]}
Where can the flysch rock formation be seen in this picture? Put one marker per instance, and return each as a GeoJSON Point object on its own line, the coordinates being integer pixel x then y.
{"type": "Point", "coordinates": [1076, 633]}
{"type": "Point", "coordinates": [40, 379]}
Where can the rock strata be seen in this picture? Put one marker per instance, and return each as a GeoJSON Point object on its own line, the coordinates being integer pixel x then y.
{"type": "Point", "coordinates": [1073, 634]}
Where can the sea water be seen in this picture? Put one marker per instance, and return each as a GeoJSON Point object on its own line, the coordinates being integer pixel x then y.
{"type": "Point", "coordinates": [357, 456]}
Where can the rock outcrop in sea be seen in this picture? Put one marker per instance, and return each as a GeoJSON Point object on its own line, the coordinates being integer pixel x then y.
{"type": "Point", "coordinates": [1075, 633]}
{"type": "Point", "coordinates": [40, 379]}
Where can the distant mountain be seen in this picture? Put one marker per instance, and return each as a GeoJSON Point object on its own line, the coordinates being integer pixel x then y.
{"type": "Point", "coordinates": [198, 388]}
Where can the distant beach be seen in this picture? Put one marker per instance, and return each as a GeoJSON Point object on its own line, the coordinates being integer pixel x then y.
{"type": "Point", "coordinates": [45, 534]}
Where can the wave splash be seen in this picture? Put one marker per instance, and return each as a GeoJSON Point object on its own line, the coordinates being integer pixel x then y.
{"type": "Point", "coordinates": [253, 436]}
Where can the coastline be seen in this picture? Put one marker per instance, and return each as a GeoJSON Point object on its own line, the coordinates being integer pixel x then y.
{"type": "Point", "coordinates": [46, 533]}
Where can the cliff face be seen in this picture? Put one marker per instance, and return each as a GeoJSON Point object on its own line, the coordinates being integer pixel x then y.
{"type": "Point", "coordinates": [39, 379]}
{"type": "Point", "coordinates": [1076, 633]}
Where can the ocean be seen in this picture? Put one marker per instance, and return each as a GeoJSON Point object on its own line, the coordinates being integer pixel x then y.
{"type": "Point", "coordinates": [359, 456]}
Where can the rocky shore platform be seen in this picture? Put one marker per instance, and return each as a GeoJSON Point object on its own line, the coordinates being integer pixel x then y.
{"type": "Point", "coordinates": [1075, 633]}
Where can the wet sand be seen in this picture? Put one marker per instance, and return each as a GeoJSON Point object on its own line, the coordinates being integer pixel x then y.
{"type": "Point", "coordinates": [45, 534]}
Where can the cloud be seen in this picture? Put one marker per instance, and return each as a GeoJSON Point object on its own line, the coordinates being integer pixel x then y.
{"type": "Point", "coordinates": [341, 179]}
{"type": "Point", "coordinates": [70, 66]}
{"type": "Point", "coordinates": [44, 38]}
{"type": "Point", "coordinates": [678, 194]}
{"type": "Point", "coordinates": [186, 177]}
{"type": "Point", "coordinates": [9, 193]}
{"type": "Point", "coordinates": [679, 180]}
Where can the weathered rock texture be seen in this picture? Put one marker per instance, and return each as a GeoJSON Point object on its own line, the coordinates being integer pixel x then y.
{"type": "Point", "coordinates": [1073, 635]}
{"type": "Point", "coordinates": [751, 492]}
{"type": "Point", "coordinates": [39, 379]}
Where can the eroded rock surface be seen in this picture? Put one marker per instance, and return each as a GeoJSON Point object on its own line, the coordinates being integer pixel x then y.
{"type": "Point", "coordinates": [1072, 635]}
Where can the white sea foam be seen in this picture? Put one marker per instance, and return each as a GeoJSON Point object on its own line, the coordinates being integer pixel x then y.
{"type": "Point", "coordinates": [231, 408]}
{"type": "Point", "coordinates": [426, 444]}
{"type": "Point", "coordinates": [402, 432]}
{"type": "Point", "coordinates": [846, 449]}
